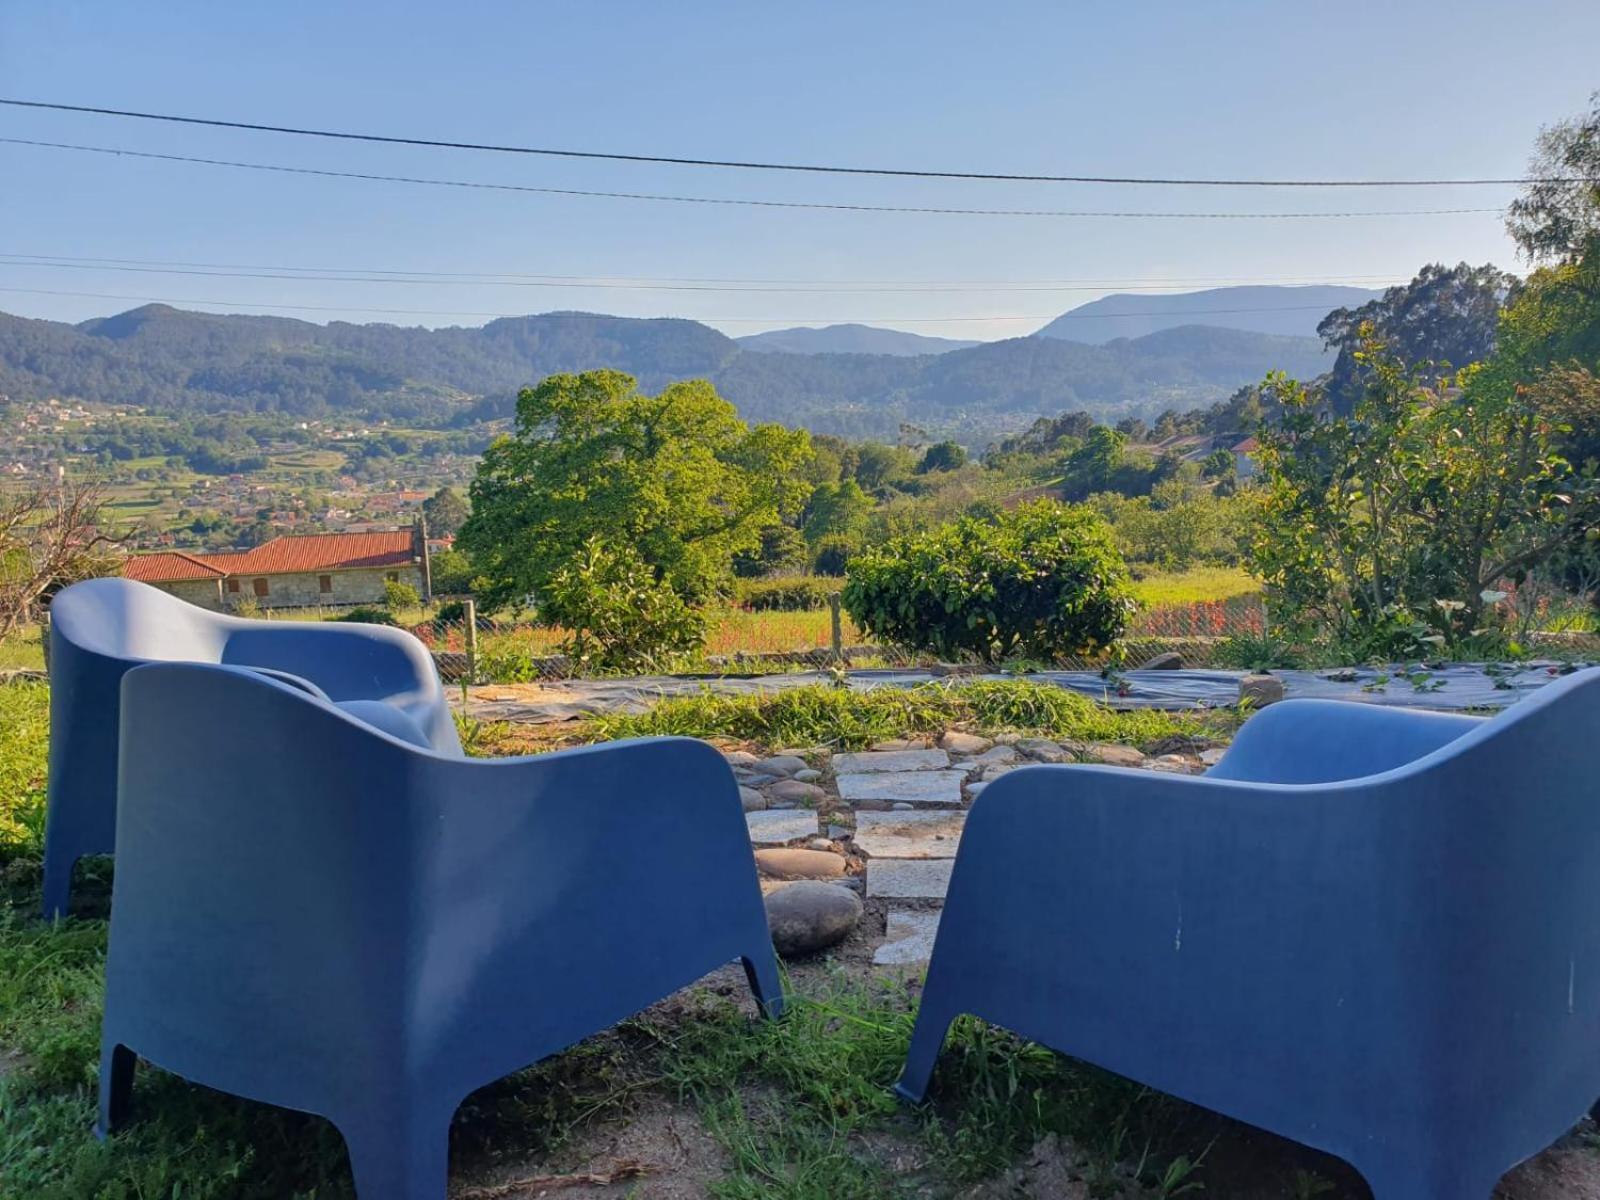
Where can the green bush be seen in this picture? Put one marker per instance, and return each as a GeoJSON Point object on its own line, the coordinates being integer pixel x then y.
{"type": "Point", "coordinates": [1041, 581]}
{"type": "Point", "coordinates": [621, 617]}
{"type": "Point", "coordinates": [803, 593]}
{"type": "Point", "coordinates": [398, 596]}
{"type": "Point", "coordinates": [366, 614]}
{"type": "Point", "coordinates": [832, 554]}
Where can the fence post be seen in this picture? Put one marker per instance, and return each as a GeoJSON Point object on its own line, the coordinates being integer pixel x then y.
{"type": "Point", "coordinates": [470, 612]}
{"type": "Point", "coordinates": [838, 629]}
{"type": "Point", "coordinates": [44, 638]}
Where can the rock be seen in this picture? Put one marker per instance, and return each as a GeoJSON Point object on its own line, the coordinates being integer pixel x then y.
{"type": "Point", "coordinates": [876, 761]}
{"type": "Point", "coordinates": [994, 770]}
{"type": "Point", "coordinates": [1212, 757]}
{"type": "Point", "coordinates": [1175, 764]}
{"type": "Point", "coordinates": [900, 806]}
{"type": "Point", "coordinates": [1113, 754]}
{"type": "Point", "coordinates": [958, 742]}
{"type": "Point", "coordinates": [899, 744]}
{"type": "Point", "coordinates": [781, 764]}
{"type": "Point", "coordinates": [1170, 661]}
{"type": "Point", "coordinates": [775, 828]}
{"type": "Point", "coordinates": [740, 758]}
{"type": "Point", "coordinates": [1007, 739]}
{"type": "Point", "coordinates": [810, 916]}
{"type": "Point", "coordinates": [854, 882]}
{"type": "Point", "coordinates": [997, 755]}
{"type": "Point", "coordinates": [910, 835]}
{"type": "Point", "coordinates": [912, 787]}
{"type": "Point", "coordinates": [793, 791]}
{"type": "Point", "coordinates": [820, 843]}
{"type": "Point", "coordinates": [752, 800]}
{"type": "Point", "coordinates": [1042, 750]}
{"type": "Point", "coordinates": [907, 938]}
{"type": "Point", "coordinates": [838, 833]}
{"type": "Point", "coordinates": [809, 775]}
{"type": "Point", "coordinates": [799, 864]}
{"type": "Point", "coordinates": [973, 789]}
{"type": "Point", "coordinates": [909, 878]}
{"type": "Point", "coordinates": [1260, 690]}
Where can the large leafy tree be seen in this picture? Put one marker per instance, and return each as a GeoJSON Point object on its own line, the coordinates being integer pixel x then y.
{"type": "Point", "coordinates": [1445, 317]}
{"type": "Point", "coordinates": [1558, 215]}
{"type": "Point", "coordinates": [676, 480]}
{"type": "Point", "coordinates": [1391, 523]}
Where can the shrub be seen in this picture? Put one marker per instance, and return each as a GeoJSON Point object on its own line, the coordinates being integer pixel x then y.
{"type": "Point", "coordinates": [452, 573]}
{"type": "Point", "coordinates": [397, 595]}
{"type": "Point", "coordinates": [1042, 581]}
{"type": "Point", "coordinates": [802, 593]}
{"type": "Point", "coordinates": [366, 614]}
{"type": "Point", "coordinates": [620, 616]}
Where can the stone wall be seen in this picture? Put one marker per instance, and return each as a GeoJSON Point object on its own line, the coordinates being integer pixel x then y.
{"type": "Point", "coordinates": [350, 586]}
{"type": "Point", "coordinates": [206, 593]}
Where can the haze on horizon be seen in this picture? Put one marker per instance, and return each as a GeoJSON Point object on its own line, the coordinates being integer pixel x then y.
{"type": "Point", "coordinates": [1228, 89]}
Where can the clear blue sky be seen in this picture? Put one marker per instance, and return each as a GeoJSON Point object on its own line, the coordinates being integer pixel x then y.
{"type": "Point", "coordinates": [1159, 87]}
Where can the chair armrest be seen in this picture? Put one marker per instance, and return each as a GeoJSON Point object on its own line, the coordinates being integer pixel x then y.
{"type": "Point", "coordinates": [1324, 741]}
{"type": "Point", "coordinates": [347, 661]}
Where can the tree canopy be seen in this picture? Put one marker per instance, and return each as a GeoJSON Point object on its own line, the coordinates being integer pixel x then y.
{"type": "Point", "coordinates": [676, 478]}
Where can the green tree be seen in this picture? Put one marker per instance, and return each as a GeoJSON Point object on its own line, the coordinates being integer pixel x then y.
{"type": "Point", "coordinates": [1389, 524]}
{"type": "Point", "coordinates": [1042, 580]}
{"type": "Point", "coordinates": [942, 456]}
{"type": "Point", "coordinates": [782, 548]}
{"type": "Point", "coordinates": [836, 510]}
{"type": "Point", "coordinates": [445, 511]}
{"type": "Point", "coordinates": [676, 477]}
{"type": "Point", "coordinates": [620, 616]}
{"type": "Point", "coordinates": [1558, 217]}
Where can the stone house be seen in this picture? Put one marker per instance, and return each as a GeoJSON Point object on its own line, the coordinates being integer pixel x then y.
{"type": "Point", "coordinates": [292, 571]}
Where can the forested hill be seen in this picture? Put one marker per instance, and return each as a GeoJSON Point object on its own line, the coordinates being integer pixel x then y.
{"type": "Point", "coordinates": [173, 360]}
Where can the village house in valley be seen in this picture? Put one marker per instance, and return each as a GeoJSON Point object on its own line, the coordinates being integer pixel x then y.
{"type": "Point", "coordinates": [293, 571]}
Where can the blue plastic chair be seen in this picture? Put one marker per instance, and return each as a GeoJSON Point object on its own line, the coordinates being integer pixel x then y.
{"type": "Point", "coordinates": [310, 912]}
{"type": "Point", "coordinates": [1374, 931]}
{"type": "Point", "coordinates": [101, 628]}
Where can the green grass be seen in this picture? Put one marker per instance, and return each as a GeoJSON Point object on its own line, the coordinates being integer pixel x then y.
{"type": "Point", "coordinates": [24, 746]}
{"type": "Point", "coordinates": [1194, 585]}
{"type": "Point", "coordinates": [819, 715]}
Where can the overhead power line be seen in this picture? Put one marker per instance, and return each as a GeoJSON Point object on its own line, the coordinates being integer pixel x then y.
{"type": "Point", "coordinates": [748, 165]}
{"type": "Point", "coordinates": [718, 200]}
{"type": "Point", "coordinates": [426, 312]}
{"type": "Point", "coordinates": [467, 279]}
{"type": "Point", "coordinates": [1192, 281]}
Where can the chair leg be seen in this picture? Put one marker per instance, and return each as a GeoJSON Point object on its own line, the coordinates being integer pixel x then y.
{"type": "Point", "coordinates": [117, 1064]}
{"type": "Point", "coordinates": [58, 866]}
{"type": "Point", "coordinates": [765, 982]}
{"type": "Point", "coordinates": [398, 1159]}
{"type": "Point", "coordinates": [927, 1039]}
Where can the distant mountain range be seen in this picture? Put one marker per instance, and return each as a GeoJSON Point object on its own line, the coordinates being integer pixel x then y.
{"type": "Point", "coordinates": [850, 339]}
{"type": "Point", "coordinates": [172, 360]}
{"type": "Point", "coordinates": [1285, 311]}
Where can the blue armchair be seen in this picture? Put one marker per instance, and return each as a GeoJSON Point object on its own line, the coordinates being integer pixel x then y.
{"type": "Point", "coordinates": [1373, 931]}
{"type": "Point", "coordinates": [101, 628]}
{"type": "Point", "coordinates": [310, 912]}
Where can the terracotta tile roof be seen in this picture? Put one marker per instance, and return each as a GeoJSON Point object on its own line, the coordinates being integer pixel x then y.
{"type": "Point", "coordinates": [280, 556]}
{"type": "Point", "coordinates": [1248, 446]}
{"type": "Point", "coordinates": [168, 568]}
{"type": "Point", "coordinates": [321, 552]}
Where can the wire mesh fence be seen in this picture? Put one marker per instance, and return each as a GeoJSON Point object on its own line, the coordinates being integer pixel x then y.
{"type": "Point", "coordinates": [470, 647]}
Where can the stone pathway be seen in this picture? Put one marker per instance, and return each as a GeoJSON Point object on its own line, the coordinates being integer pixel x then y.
{"type": "Point", "coordinates": [894, 820]}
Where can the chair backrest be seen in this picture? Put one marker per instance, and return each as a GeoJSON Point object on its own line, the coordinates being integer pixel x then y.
{"type": "Point", "coordinates": [122, 618]}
